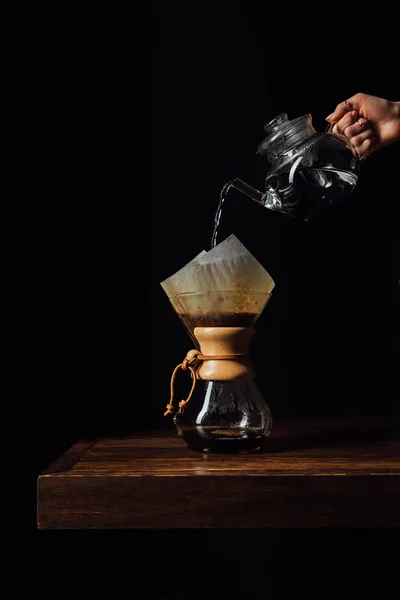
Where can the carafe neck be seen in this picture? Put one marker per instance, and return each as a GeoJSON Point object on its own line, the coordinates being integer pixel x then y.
{"type": "Point", "coordinates": [230, 346]}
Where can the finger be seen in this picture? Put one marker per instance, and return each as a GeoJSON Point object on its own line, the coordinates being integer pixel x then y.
{"type": "Point", "coordinates": [366, 148]}
{"type": "Point", "coordinates": [359, 139]}
{"type": "Point", "coordinates": [339, 112]}
{"type": "Point", "coordinates": [349, 119]}
{"type": "Point", "coordinates": [358, 127]}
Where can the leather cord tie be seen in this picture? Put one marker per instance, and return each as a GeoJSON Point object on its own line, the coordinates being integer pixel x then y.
{"type": "Point", "coordinates": [191, 363]}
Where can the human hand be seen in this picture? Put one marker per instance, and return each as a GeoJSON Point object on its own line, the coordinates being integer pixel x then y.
{"type": "Point", "coordinates": [369, 122]}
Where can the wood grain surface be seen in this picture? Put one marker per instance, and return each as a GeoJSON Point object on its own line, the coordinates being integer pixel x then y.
{"type": "Point", "coordinates": [341, 472]}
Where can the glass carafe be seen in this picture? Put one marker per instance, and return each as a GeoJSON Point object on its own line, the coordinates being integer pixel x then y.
{"type": "Point", "coordinates": [309, 171]}
{"type": "Point", "coordinates": [225, 410]}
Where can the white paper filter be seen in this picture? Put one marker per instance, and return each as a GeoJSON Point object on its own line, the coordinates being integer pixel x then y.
{"type": "Point", "coordinates": [228, 267]}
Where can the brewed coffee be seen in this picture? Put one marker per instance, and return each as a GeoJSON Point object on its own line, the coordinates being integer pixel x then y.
{"type": "Point", "coordinates": [219, 440]}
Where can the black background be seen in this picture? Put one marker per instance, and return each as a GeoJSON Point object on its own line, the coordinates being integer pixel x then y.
{"type": "Point", "coordinates": [132, 124]}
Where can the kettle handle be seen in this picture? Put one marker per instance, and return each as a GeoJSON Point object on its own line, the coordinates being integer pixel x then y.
{"type": "Point", "coordinates": [329, 129]}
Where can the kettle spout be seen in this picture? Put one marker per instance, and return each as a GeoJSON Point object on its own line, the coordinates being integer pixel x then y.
{"type": "Point", "coordinates": [248, 190]}
{"type": "Point", "coordinates": [270, 198]}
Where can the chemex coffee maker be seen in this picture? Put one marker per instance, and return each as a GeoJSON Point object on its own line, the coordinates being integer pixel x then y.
{"type": "Point", "coordinates": [219, 296]}
{"type": "Point", "coordinates": [309, 171]}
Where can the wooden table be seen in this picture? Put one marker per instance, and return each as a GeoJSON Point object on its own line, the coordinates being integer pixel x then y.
{"type": "Point", "coordinates": [336, 472]}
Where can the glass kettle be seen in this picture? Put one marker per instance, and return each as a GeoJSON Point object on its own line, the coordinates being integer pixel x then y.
{"type": "Point", "coordinates": [308, 170]}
